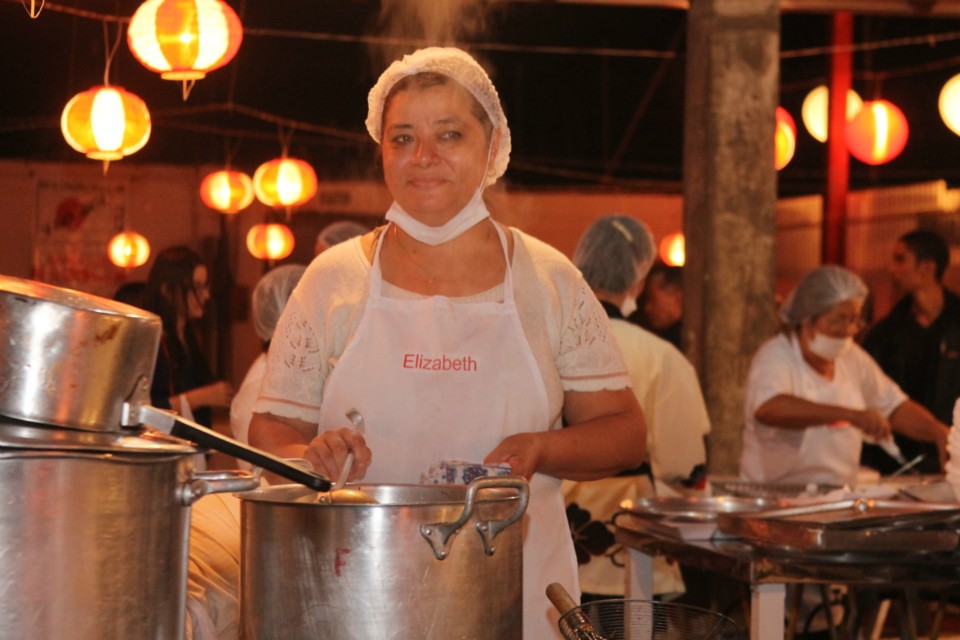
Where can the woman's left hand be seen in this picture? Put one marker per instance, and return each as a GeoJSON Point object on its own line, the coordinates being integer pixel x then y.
{"type": "Point", "coordinates": [521, 451]}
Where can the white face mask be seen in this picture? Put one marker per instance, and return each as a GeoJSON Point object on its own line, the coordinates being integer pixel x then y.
{"type": "Point", "coordinates": [827, 347]}
{"type": "Point", "coordinates": [470, 215]}
{"type": "Point", "coordinates": [629, 306]}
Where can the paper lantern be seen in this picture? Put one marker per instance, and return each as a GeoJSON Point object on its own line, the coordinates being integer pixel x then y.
{"type": "Point", "coordinates": [184, 39]}
{"type": "Point", "coordinates": [785, 139]}
{"type": "Point", "coordinates": [949, 104]}
{"type": "Point", "coordinates": [270, 241]}
{"type": "Point", "coordinates": [673, 250]}
{"type": "Point", "coordinates": [284, 182]}
{"type": "Point", "coordinates": [106, 123]}
{"type": "Point", "coordinates": [815, 111]}
{"type": "Point", "coordinates": [227, 191]}
{"type": "Point", "coordinates": [128, 249]}
{"type": "Point", "coordinates": [878, 133]}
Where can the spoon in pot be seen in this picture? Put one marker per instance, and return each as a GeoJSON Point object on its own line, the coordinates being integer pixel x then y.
{"type": "Point", "coordinates": [338, 494]}
{"type": "Point", "coordinates": [359, 427]}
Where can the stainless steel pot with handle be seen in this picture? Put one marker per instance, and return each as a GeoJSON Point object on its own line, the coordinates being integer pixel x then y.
{"type": "Point", "coordinates": [71, 359]}
{"type": "Point", "coordinates": [94, 533]}
{"type": "Point", "coordinates": [431, 562]}
{"type": "Point", "coordinates": [79, 361]}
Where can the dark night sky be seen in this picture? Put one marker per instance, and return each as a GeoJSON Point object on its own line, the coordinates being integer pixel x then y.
{"type": "Point", "coordinates": [572, 78]}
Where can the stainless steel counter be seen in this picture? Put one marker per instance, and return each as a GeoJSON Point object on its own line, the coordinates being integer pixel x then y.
{"type": "Point", "coordinates": [767, 573]}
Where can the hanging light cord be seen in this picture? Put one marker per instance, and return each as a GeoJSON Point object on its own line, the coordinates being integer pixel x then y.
{"type": "Point", "coordinates": [110, 50]}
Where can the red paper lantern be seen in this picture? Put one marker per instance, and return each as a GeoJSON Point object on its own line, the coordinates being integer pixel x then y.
{"type": "Point", "coordinates": [105, 123]}
{"type": "Point", "coordinates": [184, 39]}
{"type": "Point", "coordinates": [128, 249]}
{"type": "Point", "coordinates": [785, 139]}
{"type": "Point", "coordinates": [270, 241]}
{"type": "Point", "coordinates": [284, 182]}
{"type": "Point", "coordinates": [227, 191]}
{"type": "Point", "coordinates": [878, 133]}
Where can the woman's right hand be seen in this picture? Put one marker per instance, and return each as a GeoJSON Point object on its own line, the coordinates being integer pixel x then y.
{"type": "Point", "coordinates": [873, 424]}
{"type": "Point", "coordinates": [328, 451]}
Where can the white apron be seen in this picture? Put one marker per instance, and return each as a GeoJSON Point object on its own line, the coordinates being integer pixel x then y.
{"type": "Point", "coordinates": [436, 380]}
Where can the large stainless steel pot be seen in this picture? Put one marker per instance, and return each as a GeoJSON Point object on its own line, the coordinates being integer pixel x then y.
{"type": "Point", "coordinates": [94, 533]}
{"type": "Point", "coordinates": [431, 562]}
{"type": "Point", "coordinates": [71, 359]}
{"type": "Point", "coordinates": [79, 361]}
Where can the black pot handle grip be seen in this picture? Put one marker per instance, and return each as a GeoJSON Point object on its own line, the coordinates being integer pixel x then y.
{"type": "Point", "coordinates": [179, 427]}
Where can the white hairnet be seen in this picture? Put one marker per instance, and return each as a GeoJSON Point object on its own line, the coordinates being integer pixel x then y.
{"type": "Point", "coordinates": [819, 291]}
{"type": "Point", "coordinates": [270, 297]}
{"type": "Point", "coordinates": [338, 232]}
{"type": "Point", "coordinates": [457, 65]}
{"type": "Point", "coordinates": [614, 253]}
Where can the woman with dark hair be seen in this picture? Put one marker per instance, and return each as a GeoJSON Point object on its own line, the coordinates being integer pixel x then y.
{"type": "Point", "coordinates": [177, 291]}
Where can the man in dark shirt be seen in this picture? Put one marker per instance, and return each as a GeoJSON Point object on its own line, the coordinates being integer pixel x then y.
{"type": "Point", "coordinates": [918, 343]}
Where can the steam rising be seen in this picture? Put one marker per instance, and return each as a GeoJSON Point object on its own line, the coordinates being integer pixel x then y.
{"type": "Point", "coordinates": [407, 25]}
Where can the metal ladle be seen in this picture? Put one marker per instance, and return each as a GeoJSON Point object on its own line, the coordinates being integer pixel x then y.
{"type": "Point", "coordinates": [338, 494]}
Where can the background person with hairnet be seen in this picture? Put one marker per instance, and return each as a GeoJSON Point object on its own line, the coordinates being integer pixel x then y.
{"type": "Point", "coordinates": [442, 281]}
{"type": "Point", "coordinates": [337, 232]}
{"type": "Point", "coordinates": [213, 570]}
{"type": "Point", "coordinates": [269, 297]}
{"type": "Point", "coordinates": [614, 254]}
{"type": "Point", "coordinates": [813, 394]}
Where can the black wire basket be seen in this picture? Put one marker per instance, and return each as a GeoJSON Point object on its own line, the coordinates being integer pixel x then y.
{"type": "Point", "coordinates": [619, 619]}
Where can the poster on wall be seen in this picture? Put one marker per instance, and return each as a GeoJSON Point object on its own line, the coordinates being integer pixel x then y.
{"type": "Point", "coordinates": [75, 222]}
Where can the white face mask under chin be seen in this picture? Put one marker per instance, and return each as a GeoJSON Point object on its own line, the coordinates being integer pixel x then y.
{"type": "Point", "coordinates": [471, 214]}
{"type": "Point", "coordinates": [827, 347]}
{"type": "Point", "coordinates": [629, 306]}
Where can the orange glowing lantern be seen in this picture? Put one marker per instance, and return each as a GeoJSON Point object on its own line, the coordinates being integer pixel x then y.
{"type": "Point", "coordinates": [284, 182]}
{"type": "Point", "coordinates": [106, 123]}
{"type": "Point", "coordinates": [227, 191]}
{"type": "Point", "coordinates": [785, 139]}
{"type": "Point", "coordinates": [184, 39]}
{"type": "Point", "coordinates": [949, 104]}
{"type": "Point", "coordinates": [815, 111]}
{"type": "Point", "coordinates": [128, 249]}
{"type": "Point", "coordinates": [270, 241]}
{"type": "Point", "coordinates": [673, 250]}
{"type": "Point", "coordinates": [878, 133]}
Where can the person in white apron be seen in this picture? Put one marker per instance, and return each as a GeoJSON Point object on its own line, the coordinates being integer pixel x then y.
{"type": "Point", "coordinates": [417, 326]}
{"type": "Point", "coordinates": [614, 254]}
{"type": "Point", "coordinates": [813, 394]}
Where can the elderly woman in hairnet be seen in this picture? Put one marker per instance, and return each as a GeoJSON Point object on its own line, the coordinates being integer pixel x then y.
{"type": "Point", "coordinates": [615, 254]}
{"type": "Point", "coordinates": [455, 337]}
{"type": "Point", "coordinates": [813, 394]}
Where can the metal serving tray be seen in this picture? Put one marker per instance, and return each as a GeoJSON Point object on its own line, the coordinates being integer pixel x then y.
{"type": "Point", "coordinates": [696, 508]}
{"type": "Point", "coordinates": [850, 526]}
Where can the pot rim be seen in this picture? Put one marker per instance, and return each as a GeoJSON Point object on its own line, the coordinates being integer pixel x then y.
{"type": "Point", "coordinates": [75, 300]}
{"type": "Point", "coordinates": [295, 495]}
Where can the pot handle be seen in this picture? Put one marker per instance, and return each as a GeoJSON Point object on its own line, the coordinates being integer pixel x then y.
{"type": "Point", "coordinates": [171, 423]}
{"type": "Point", "coordinates": [440, 534]}
{"type": "Point", "coordinates": [203, 483]}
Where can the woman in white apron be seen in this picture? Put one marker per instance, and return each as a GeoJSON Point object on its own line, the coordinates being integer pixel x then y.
{"type": "Point", "coordinates": [455, 338]}
{"type": "Point", "coordinates": [813, 395]}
